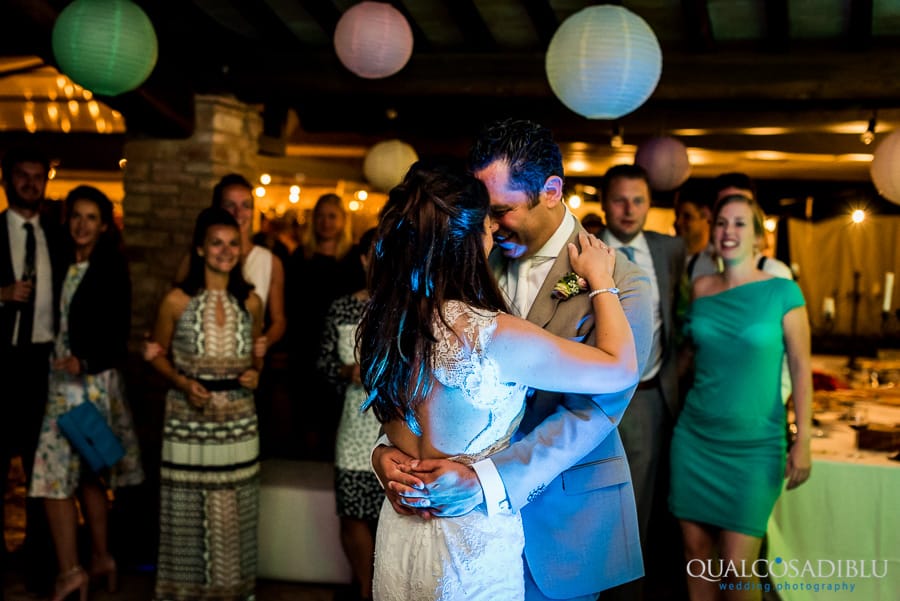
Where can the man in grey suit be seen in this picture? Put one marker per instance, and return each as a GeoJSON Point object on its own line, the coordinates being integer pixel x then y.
{"type": "Point", "coordinates": [646, 428]}
{"type": "Point", "coordinates": [566, 470]}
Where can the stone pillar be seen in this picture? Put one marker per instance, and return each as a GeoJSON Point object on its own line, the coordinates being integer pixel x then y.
{"type": "Point", "coordinates": [168, 182]}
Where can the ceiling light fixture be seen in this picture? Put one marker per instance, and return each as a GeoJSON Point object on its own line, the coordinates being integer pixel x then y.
{"type": "Point", "coordinates": [868, 136]}
{"type": "Point", "coordinates": [617, 139]}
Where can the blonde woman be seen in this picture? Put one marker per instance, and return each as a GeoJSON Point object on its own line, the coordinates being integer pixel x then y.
{"type": "Point", "coordinates": [729, 447]}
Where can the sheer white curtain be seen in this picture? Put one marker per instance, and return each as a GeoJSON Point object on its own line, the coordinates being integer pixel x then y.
{"type": "Point", "coordinates": [829, 252]}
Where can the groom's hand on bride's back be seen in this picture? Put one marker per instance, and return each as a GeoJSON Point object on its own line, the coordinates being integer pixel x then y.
{"type": "Point", "coordinates": [451, 488]}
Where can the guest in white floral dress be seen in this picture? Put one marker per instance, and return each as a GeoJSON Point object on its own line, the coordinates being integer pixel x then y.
{"type": "Point", "coordinates": [357, 491]}
{"type": "Point", "coordinates": [91, 344]}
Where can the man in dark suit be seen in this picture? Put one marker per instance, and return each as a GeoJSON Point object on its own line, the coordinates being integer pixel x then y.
{"type": "Point", "coordinates": [566, 470]}
{"type": "Point", "coordinates": [27, 326]}
{"type": "Point", "coordinates": [647, 425]}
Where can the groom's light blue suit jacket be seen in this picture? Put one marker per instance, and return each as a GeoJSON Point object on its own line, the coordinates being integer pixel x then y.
{"type": "Point", "coordinates": [566, 470]}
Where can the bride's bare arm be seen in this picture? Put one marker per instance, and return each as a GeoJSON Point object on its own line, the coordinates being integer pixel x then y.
{"type": "Point", "coordinates": [526, 354]}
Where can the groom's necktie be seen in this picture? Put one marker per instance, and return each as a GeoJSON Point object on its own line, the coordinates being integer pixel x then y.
{"type": "Point", "coordinates": [521, 296]}
{"type": "Point", "coordinates": [629, 252]}
{"type": "Point", "coordinates": [29, 272]}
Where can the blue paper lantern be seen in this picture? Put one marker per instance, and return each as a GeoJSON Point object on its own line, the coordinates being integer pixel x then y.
{"type": "Point", "coordinates": [603, 62]}
{"type": "Point", "coordinates": [106, 46]}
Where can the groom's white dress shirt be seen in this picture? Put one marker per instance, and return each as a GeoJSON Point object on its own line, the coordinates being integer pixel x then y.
{"type": "Point", "coordinates": [521, 281]}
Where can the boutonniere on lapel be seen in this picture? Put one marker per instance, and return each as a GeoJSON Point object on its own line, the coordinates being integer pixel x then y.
{"type": "Point", "coordinates": [568, 286]}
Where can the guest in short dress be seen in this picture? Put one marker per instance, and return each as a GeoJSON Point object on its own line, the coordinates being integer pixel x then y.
{"type": "Point", "coordinates": [729, 457]}
{"type": "Point", "coordinates": [357, 491]}
{"type": "Point", "coordinates": [91, 345]}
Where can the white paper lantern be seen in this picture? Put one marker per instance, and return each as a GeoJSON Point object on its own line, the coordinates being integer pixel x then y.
{"type": "Point", "coordinates": [387, 162]}
{"type": "Point", "coordinates": [373, 40]}
{"type": "Point", "coordinates": [885, 169]}
{"type": "Point", "coordinates": [603, 62]}
{"type": "Point", "coordinates": [666, 162]}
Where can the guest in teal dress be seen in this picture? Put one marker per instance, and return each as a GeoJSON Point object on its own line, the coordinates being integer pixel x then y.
{"type": "Point", "coordinates": [729, 455]}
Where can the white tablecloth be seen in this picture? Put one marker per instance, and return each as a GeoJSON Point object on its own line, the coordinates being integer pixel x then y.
{"type": "Point", "coordinates": [844, 521]}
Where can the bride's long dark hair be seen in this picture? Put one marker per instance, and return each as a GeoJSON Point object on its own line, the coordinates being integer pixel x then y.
{"type": "Point", "coordinates": [429, 249]}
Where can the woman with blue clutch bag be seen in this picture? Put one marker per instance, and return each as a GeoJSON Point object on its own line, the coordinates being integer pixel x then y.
{"type": "Point", "coordinates": [95, 318]}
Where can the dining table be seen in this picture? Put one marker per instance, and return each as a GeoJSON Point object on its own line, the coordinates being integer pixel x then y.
{"type": "Point", "coordinates": [837, 536]}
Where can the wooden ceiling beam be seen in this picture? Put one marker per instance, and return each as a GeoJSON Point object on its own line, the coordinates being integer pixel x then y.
{"type": "Point", "coordinates": [778, 25]}
{"type": "Point", "coordinates": [799, 77]}
{"type": "Point", "coordinates": [324, 13]}
{"type": "Point", "coordinates": [270, 26]}
{"type": "Point", "coordinates": [543, 18]}
{"type": "Point", "coordinates": [469, 21]}
{"type": "Point", "coordinates": [698, 28]}
{"type": "Point", "coordinates": [421, 43]}
{"type": "Point", "coordinates": [859, 33]}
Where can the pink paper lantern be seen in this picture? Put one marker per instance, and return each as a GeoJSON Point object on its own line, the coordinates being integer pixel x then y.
{"type": "Point", "coordinates": [373, 40]}
{"type": "Point", "coordinates": [666, 162]}
{"type": "Point", "coordinates": [885, 169]}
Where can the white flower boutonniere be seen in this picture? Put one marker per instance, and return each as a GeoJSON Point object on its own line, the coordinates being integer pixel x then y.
{"type": "Point", "coordinates": [568, 286]}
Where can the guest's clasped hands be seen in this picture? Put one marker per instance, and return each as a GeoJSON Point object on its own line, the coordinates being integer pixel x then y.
{"type": "Point", "coordinates": [197, 395]}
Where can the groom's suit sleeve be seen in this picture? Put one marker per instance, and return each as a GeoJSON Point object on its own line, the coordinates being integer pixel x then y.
{"type": "Point", "coordinates": [579, 423]}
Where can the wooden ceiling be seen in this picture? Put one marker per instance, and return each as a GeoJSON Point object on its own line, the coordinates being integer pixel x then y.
{"type": "Point", "coordinates": [777, 88]}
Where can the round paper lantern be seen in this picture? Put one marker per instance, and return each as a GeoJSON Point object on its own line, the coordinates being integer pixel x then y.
{"type": "Point", "coordinates": [387, 162]}
{"type": "Point", "coordinates": [603, 62]}
{"type": "Point", "coordinates": [666, 162]}
{"type": "Point", "coordinates": [107, 46]}
{"type": "Point", "coordinates": [373, 40]}
{"type": "Point", "coordinates": [885, 169]}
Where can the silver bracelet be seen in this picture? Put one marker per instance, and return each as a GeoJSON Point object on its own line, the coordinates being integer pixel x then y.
{"type": "Point", "coordinates": [602, 290]}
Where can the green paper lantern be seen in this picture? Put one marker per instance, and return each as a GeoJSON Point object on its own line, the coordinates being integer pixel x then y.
{"type": "Point", "coordinates": [106, 46]}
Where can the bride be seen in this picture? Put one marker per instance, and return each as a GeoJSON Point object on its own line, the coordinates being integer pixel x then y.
{"type": "Point", "coordinates": [447, 369]}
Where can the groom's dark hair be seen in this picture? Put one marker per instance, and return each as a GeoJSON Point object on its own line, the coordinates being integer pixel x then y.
{"type": "Point", "coordinates": [527, 147]}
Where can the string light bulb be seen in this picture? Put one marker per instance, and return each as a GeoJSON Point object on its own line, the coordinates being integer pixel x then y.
{"type": "Point", "coordinates": [868, 136]}
{"type": "Point", "coordinates": [616, 140]}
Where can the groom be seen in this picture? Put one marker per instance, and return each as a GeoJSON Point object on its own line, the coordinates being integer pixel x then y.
{"type": "Point", "coordinates": [566, 470]}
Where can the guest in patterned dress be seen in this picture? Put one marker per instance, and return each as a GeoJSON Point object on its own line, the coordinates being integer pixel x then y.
{"type": "Point", "coordinates": [357, 491]}
{"type": "Point", "coordinates": [95, 318]}
{"type": "Point", "coordinates": [209, 497]}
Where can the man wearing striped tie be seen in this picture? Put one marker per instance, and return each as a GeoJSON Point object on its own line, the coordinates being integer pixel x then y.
{"type": "Point", "coordinates": [646, 428]}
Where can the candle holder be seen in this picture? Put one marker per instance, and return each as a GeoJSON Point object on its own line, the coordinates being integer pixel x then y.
{"type": "Point", "coordinates": [855, 296]}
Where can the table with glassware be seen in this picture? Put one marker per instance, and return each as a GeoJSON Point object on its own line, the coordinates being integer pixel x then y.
{"type": "Point", "coordinates": [838, 535]}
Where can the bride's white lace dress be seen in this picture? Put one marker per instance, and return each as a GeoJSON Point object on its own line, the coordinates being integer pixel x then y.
{"type": "Point", "coordinates": [471, 557]}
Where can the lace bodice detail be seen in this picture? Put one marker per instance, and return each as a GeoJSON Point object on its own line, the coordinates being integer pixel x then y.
{"type": "Point", "coordinates": [460, 362]}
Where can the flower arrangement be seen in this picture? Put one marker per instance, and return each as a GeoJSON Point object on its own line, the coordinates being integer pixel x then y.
{"type": "Point", "coordinates": [568, 286]}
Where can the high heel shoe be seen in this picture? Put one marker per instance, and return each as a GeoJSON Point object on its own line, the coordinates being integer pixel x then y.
{"type": "Point", "coordinates": [105, 566]}
{"type": "Point", "coordinates": [70, 581]}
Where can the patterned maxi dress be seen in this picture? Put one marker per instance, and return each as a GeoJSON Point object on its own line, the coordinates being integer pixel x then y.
{"type": "Point", "coordinates": [57, 467]}
{"type": "Point", "coordinates": [209, 497]}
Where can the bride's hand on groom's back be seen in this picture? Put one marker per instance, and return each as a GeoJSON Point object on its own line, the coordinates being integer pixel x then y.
{"type": "Point", "coordinates": [451, 488]}
{"type": "Point", "coordinates": [386, 462]}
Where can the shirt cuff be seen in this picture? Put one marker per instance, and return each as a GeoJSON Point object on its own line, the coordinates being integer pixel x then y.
{"type": "Point", "coordinates": [383, 441]}
{"type": "Point", "coordinates": [495, 498]}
